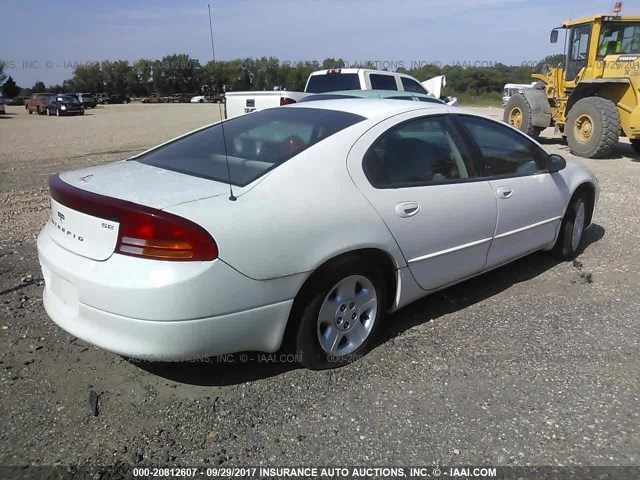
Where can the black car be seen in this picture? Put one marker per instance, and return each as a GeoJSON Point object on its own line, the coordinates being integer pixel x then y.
{"type": "Point", "coordinates": [116, 98]}
{"type": "Point", "coordinates": [64, 105]}
{"type": "Point", "coordinates": [86, 99]}
{"type": "Point", "coordinates": [18, 101]}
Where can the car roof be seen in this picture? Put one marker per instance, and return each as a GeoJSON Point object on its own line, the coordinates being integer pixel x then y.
{"type": "Point", "coordinates": [377, 93]}
{"type": "Point", "coordinates": [395, 94]}
{"type": "Point", "coordinates": [372, 107]}
{"type": "Point", "coordinates": [337, 71]}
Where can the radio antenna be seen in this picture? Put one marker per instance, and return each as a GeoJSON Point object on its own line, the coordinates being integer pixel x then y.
{"type": "Point", "coordinates": [213, 49]}
{"type": "Point", "coordinates": [232, 197]}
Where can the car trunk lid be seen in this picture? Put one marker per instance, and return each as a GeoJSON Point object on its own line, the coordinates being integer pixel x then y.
{"type": "Point", "coordinates": [87, 205]}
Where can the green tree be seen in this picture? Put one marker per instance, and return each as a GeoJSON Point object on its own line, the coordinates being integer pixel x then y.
{"type": "Point", "coordinates": [141, 77]}
{"type": "Point", "coordinates": [178, 74]}
{"type": "Point", "coordinates": [86, 78]}
{"type": "Point", "coordinates": [115, 76]}
{"type": "Point", "coordinates": [551, 61]}
{"type": "Point", "coordinates": [10, 88]}
{"type": "Point", "coordinates": [39, 87]}
{"type": "Point", "coordinates": [2, 74]}
{"type": "Point", "coordinates": [333, 63]}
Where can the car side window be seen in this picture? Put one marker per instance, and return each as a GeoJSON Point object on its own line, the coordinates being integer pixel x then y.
{"type": "Point", "coordinates": [383, 82]}
{"type": "Point", "coordinates": [501, 151]}
{"type": "Point", "coordinates": [422, 151]}
{"type": "Point", "coordinates": [411, 85]}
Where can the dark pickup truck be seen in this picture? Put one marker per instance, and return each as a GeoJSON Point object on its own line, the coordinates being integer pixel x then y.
{"type": "Point", "coordinates": [86, 99]}
{"type": "Point", "coordinates": [37, 103]}
{"type": "Point", "coordinates": [117, 98]}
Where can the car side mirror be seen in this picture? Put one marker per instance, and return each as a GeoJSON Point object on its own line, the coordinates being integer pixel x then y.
{"type": "Point", "coordinates": [555, 163]}
{"type": "Point", "coordinates": [554, 36]}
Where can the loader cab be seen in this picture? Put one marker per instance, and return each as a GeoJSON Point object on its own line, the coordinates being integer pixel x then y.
{"type": "Point", "coordinates": [618, 37]}
{"type": "Point", "coordinates": [593, 38]}
{"type": "Point", "coordinates": [579, 37]}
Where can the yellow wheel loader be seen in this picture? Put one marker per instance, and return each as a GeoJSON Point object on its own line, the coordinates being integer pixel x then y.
{"type": "Point", "coordinates": [594, 98]}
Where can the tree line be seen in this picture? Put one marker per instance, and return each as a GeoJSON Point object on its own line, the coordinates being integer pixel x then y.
{"type": "Point", "coordinates": [181, 73]}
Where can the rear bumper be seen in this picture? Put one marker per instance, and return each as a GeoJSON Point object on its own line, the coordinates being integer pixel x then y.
{"type": "Point", "coordinates": [163, 311]}
{"type": "Point", "coordinates": [259, 329]}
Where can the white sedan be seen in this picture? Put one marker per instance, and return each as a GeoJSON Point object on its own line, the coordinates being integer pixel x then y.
{"type": "Point", "coordinates": [304, 223]}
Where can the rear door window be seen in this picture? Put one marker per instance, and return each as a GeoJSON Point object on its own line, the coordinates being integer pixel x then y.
{"type": "Point", "coordinates": [383, 82]}
{"type": "Point", "coordinates": [252, 145]}
{"type": "Point", "coordinates": [502, 151]}
{"type": "Point", "coordinates": [410, 85]}
{"type": "Point", "coordinates": [423, 151]}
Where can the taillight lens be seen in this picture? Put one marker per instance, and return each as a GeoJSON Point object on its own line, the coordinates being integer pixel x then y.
{"type": "Point", "coordinates": [286, 101]}
{"type": "Point", "coordinates": [143, 232]}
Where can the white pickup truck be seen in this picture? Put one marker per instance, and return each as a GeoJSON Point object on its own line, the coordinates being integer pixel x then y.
{"type": "Point", "coordinates": [332, 80]}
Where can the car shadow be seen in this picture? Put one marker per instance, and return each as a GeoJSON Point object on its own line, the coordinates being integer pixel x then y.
{"type": "Point", "coordinates": [478, 289]}
{"type": "Point", "coordinates": [234, 369]}
{"type": "Point", "coordinates": [622, 149]}
{"type": "Point", "coordinates": [552, 141]}
{"type": "Point", "coordinates": [628, 151]}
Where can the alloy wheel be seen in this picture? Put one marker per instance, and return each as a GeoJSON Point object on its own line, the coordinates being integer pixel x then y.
{"type": "Point", "coordinates": [347, 315]}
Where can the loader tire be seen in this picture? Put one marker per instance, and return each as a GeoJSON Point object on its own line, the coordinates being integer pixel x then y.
{"type": "Point", "coordinates": [593, 127]}
{"type": "Point", "coordinates": [517, 113]}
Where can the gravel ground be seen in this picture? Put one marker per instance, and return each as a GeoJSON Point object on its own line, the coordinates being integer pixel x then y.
{"type": "Point", "coordinates": [537, 363]}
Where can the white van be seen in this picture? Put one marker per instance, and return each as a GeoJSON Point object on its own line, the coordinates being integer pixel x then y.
{"type": "Point", "coordinates": [511, 89]}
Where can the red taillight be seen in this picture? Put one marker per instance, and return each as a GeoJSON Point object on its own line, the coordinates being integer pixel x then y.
{"type": "Point", "coordinates": [286, 101]}
{"type": "Point", "coordinates": [143, 231]}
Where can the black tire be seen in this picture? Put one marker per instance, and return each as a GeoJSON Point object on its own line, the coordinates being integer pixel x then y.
{"type": "Point", "coordinates": [308, 349]}
{"type": "Point", "coordinates": [593, 127]}
{"type": "Point", "coordinates": [517, 113]}
{"type": "Point", "coordinates": [636, 144]}
{"type": "Point", "coordinates": [565, 247]}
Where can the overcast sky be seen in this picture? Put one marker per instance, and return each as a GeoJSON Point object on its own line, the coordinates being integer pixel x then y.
{"type": "Point", "coordinates": [57, 34]}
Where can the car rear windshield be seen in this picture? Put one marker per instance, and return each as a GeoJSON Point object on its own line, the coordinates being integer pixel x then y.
{"type": "Point", "coordinates": [332, 82]}
{"type": "Point", "coordinates": [255, 143]}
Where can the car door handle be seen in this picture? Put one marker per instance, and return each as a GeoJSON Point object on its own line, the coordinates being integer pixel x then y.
{"type": "Point", "coordinates": [504, 192]}
{"type": "Point", "coordinates": [407, 209]}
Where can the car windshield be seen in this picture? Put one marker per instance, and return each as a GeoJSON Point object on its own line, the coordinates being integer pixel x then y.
{"type": "Point", "coordinates": [333, 82]}
{"type": "Point", "coordinates": [66, 98]}
{"type": "Point", "coordinates": [252, 145]}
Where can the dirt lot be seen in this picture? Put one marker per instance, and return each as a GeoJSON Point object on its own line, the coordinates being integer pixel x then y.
{"type": "Point", "coordinates": [537, 363]}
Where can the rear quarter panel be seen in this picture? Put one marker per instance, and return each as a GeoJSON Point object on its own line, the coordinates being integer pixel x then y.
{"type": "Point", "coordinates": [296, 217]}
